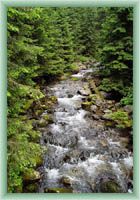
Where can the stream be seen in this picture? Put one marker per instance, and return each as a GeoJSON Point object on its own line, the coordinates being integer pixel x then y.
{"type": "Point", "coordinates": [83, 155]}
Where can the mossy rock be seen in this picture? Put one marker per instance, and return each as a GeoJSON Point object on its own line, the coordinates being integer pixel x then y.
{"type": "Point", "coordinates": [31, 188]}
{"type": "Point", "coordinates": [39, 161]}
{"type": "Point", "coordinates": [65, 181]}
{"type": "Point", "coordinates": [110, 187]}
{"type": "Point", "coordinates": [31, 175]}
{"type": "Point", "coordinates": [53, 99]}
{"type": "Point", "coordinates": [42, 123]}
{"type": "Point", "coordinates": [34, 136]}
{"type": "Point", "coordinates": [19, 189]}
{"type": "Point", "coordinates": [75, 79]}
{"type": "Point", "coordinates": [44, 106]}
{"type": "Point", "coordinates": [38, 112]}
{"type": "Point", "coordinates": [109, 123]}
{"type": "Point", "coordinates": [48, 118]}
{"type": "Point", "coordinates": [28, 104]}
{"type": "Point", "coordinates": [58, 190]}
{"type": "Point", "coordinates": [86, 105]}
{"type": "Point", "coordinates": [92, 98]}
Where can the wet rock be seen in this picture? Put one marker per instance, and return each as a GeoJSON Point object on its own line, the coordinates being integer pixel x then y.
{"type": "Point", "coordinates": [99, 102]}
{"type": "Point", "coordinates": [70, 95]}
{"type": "Point", "coordinates": [67, 159]}
{"type": "Point", "coordinates": [124, 141]}
{"type": "Point", "coordinates": [58, 190]}
{"type": "Point", "coordinates": [47, 118]}
{"type": "Point", "coordinates": [31, 175]}
{"type": "Point", "coordinates": [128, 109]}
{"type": "Point", "coordinates": [110, 187]}
{"type": "Point", "coordinates": [84, 92]}
{"type": "Point", "coordinates": [96, 117]}
{"type": "Point", "coordinates": [31, 188]}
{"type": "Point", "coordinates": [86, 105]}
{"type": "Point", "coordinates": [93, 108]}
{"type": "Point", "coordinates": [104, 142]}
{"type": "Point", "coordinates": [39, 161]}
{"type": "Point", "coordinates": [42, 123]}
{"type": "Point", "coordinates": [104, 94]}
{"type": "Point", "coordinates": [108, 183]}
{"type": "Point", "coordinates": [118, 105]}
{"type": "Point", "coordinates": [109, 124]}
{"type": "Point", "coordinates": [84, 155]}
{"type": "Point", "coordinates": [92, 97]}
{"type": "Point", "coordinates": [106, 117]}
{"type": "Point", "coordinates": [38, 112]}
{"type": "Point", "coordinates": [107, 111]}
{"type": "Point", "coordinates": [66, 181]}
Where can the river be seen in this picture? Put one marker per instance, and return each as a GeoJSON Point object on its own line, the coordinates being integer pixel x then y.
{"type": "Point", "coordinates": [83, 155]}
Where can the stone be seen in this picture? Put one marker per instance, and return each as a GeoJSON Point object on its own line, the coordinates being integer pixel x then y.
{"type": "Point", "coordinates": [48, 118]}
{"type": "Point", "coordinates": [66, 181]}
{"type": "Point", "coordinates": [107, 111]}
{"type": "Point", "coordinates": [105, 117]}
{"type": "Point", "coordinates": [70, 95]}
{"type": "Point", "coordinates": [84, 92]}
{"type": "Point", "coordinates": [99, 102]}
{"type": "Point", "coordinates": [106, 182]}
{"type": "Point", "coordinates": [93, 108]}
{"type": "Point", "coordinates": [128, 109]}
{"type": "Point", "coordinates": [31, 175]}
{"type": "Point", "coordinates": [31, 188]}
{"type": "Point", "coordinates": [39, 161]}
{"type": "Point", "coordinates": [86, 105]}
{"type": "Point", "coordinates": [96, 117]}
{"type": "Point", "coordinates": [104, 94]}
{"type": "Point", "coordinates": [42, 122]}
{"type": "Point", "coordinates": [104, 143]}
{"type": "Point", "coordinates": [110, 187]}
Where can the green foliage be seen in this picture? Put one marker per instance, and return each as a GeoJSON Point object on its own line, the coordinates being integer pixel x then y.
{"type": "Point", "coordinates": [108, 85]}
{"type": "Point", "coordinates": [121, 119]}
{"type": "Point", "coordinates": [116, 51]}
{"type": "Point", "coordinates": [22, 152]}
{"type": "Point", "coordinates": [128, 96]}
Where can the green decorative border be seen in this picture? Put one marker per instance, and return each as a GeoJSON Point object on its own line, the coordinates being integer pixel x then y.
{"type": "Point", "coordinates": [3, 87]}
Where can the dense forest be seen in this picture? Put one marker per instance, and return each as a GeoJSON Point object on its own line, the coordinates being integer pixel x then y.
{"type": "Point", "coordinates": [45, 45]}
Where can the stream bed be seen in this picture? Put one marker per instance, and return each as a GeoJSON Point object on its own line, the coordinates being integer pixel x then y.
{"type": "Point", "coordinates": [83, 155]}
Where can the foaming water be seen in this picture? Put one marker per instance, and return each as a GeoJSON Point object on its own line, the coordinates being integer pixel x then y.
{"type": "Point", "coordinates": [79, 150]}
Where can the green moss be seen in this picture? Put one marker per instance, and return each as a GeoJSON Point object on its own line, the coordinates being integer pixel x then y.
{"type": "Point", "coordinates": [75, 79]}
{"type": "Point", "coordinates": [110, 187]}
{"type": "Point", "coordinates": [121, 119]}
{"type": "Point", "coordinates": [31, 175]}
{"type": "Point", "coordinates": [31, 188]}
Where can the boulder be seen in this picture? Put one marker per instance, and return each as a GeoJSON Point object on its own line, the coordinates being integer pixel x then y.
{"type": "Point", "coordinates": [42, 123]}
{"type": "Point", "coordinates": [107, 111]}
{"type": "Point", "coordinates": [70, 95]}
{"type": "Point", "coordinates": [128, 109]}
{"type": "Point", "coordinates": [106, 182]}
{"type": "Point", "coordinates": [66, 181]}
{"type": "Point", "coordinates": [93, 108]}
{"type": "Point", "coordinates": [96, 117]}
{"type": "Point", "coordinates": [86, 105]}
{"type": "Point", "coordinates": [33, 187]}
{"type": "Point", "coordinates": [84, 92]}
{"type": "Point", "coordinates": [31, 175]}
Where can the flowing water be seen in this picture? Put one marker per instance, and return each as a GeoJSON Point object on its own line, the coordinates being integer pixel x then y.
{"type": "Point", "coordinates": [82, 153]}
